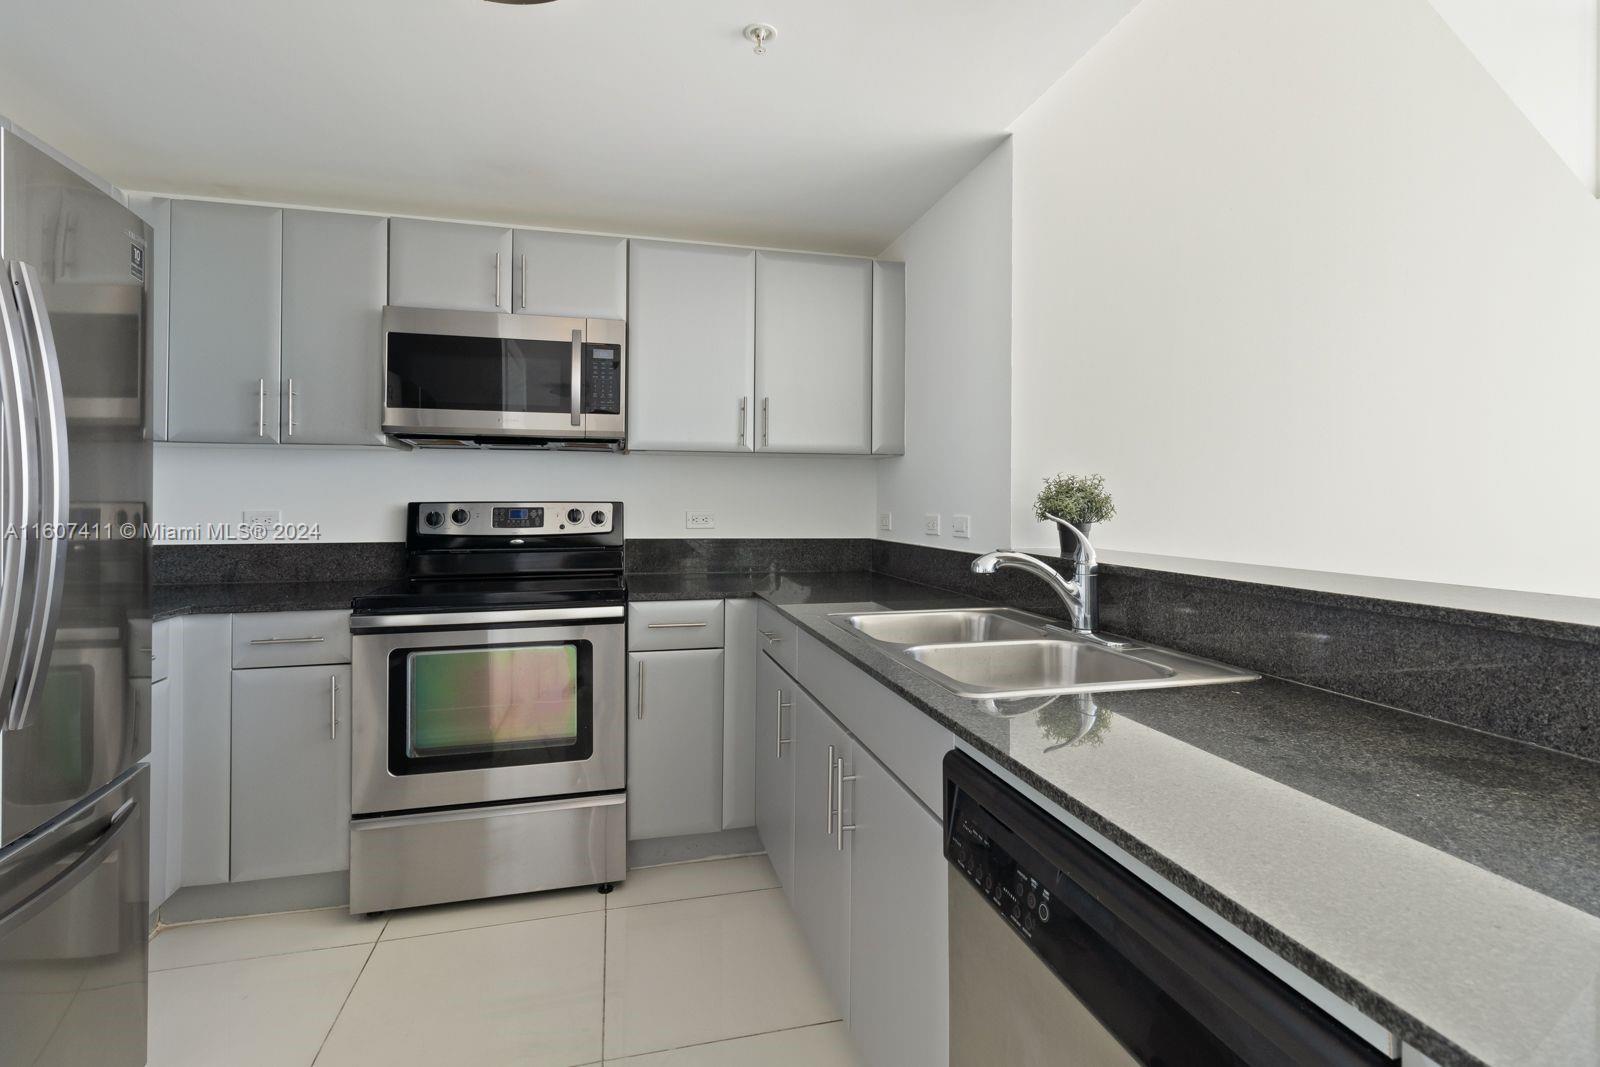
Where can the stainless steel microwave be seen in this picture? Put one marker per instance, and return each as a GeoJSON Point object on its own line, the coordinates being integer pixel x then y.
{"type": "Point", "coordinates": [490, 379]}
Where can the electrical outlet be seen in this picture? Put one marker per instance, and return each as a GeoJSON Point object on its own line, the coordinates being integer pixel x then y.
{"type": "Point", "coordinates": [930, 525]}
{"type": "Point", "coordinates": [263, 517]}
{"type": "Point", "coordinates": [886, 520]}
{"type": "Point", "coordinates": [961, 526]}
{"type": "Point", "coordinates": [699, 520]}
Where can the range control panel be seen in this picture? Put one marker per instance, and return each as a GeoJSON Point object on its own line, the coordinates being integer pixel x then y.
{"type": "Point", "coordinates": [1021, 895]}
{"type": "Point", "coordinates": [499, 518]}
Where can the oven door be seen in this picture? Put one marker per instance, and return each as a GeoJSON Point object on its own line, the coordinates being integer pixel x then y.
{"type": "Point", "coordinates": [476, 373]}
{"type": "Point", "coordinates": [469, 711]}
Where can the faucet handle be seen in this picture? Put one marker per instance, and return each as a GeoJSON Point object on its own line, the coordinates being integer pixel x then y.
{"type": "Point", "coordinates": [1085, 553]}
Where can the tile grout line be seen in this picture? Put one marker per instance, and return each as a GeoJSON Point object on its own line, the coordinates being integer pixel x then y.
{"type": "Point", "coordinates": [262, 956]}
{"type": "Point", "coordinates": [347, 994]}
{"type": "Point", "coordinates": [728, 1040]}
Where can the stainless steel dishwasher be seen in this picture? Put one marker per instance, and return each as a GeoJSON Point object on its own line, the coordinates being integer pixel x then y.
{"type": "Point", "coordinates": [1059, 955]}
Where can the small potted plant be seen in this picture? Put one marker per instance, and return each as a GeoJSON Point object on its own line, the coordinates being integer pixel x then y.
{"type": "Point", "coordinates": [1080, 499]}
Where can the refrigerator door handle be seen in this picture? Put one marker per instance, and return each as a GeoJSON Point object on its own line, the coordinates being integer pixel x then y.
{"type": "Point", "coordinates": [54, 497]}
{"type": "Point", "coordinates": [19, 505]}
{"type": "Point", "coordinates": [75, 872]}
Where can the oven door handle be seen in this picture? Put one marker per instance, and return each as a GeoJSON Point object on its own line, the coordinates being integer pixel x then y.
{"type": "Point", "coordinates": [421, 621]}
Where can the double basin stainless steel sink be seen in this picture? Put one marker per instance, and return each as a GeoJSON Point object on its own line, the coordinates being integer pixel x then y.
{"type": "Point", "coordinates": [1003, 654]}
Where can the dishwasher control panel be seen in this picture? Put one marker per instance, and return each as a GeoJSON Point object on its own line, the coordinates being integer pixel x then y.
{"type": "Point", "coordinates": [1020, 889]}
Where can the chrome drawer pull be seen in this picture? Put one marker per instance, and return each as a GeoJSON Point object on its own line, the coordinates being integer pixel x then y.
{"type": "Point", "coordinates": [769, 635]}
{"type": "Point", "coordinates": [675, 625]}
{"type": "Point", "coordinates": [287, 640]}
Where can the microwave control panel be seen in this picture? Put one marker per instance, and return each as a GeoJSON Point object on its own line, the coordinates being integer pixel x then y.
{"type": "Point", "coordinates": [602, 379]}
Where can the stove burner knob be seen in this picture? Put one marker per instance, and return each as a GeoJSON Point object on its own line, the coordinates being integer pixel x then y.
{"type": "Point", "coordinates": [459, 516]}
{"type": "Point", "coordinates": [598, 518]}
{"type": "Point", "coordinates": [575, 516]}
{"type": "Point", "coordinates": [434, 519]}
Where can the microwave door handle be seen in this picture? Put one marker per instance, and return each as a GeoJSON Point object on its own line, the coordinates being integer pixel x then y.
{"type": "Point", "coordinates": [18, 501]}
{"type": "Point", "coordinates": [577, 377]}
{"type": "Point", "coordinates": [54, 498]}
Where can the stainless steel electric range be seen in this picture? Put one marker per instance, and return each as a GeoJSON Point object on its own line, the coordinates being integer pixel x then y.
{"type": "Point", "coordinates": [489, 707]}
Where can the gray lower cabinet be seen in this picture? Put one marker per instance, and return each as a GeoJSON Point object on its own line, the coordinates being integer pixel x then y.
{"type": "Point", "coordinates": [290, 809]}
{"type": "Point", "coordinates": [821, 897]}
{"type": "Point", "coordinates": [774, 714]}
{"type": "Point", "coordinates": [899, 933]}
{"type": "Point", "coordinates": [449, 265]}
{"type": "Point", "coordinates": [224, 322]}
{"type": "Point", "coordinates": [675, 743]}
{"type": "Point", "coordinates": [335, 283]}
{"type": "Point", "coordinates": [205, 723]}
{"type": "Point", "coordinates": [160, 790]}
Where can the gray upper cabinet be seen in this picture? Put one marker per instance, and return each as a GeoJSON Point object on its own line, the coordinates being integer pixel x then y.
{"type": "Point", "coordinates": [813, 353]}
{"type": "Point", "coordinates": [888, 359]}
{"type": "Point", "coordinates": [335, 282]}
{"type": "Point", "coordinates": [899, 937]}
{"type": "Point", "coordinates": [224, 322]}
{"type": "Point", "coordinates": [691, 357]}
{"type": "Point", "coordinates": [675, 743]}
{"type": "Point", "coordinates": [290, 810]}
{"type": "Point", "coordinates": [774, 714]}
{"type": "Point", "coordinates": [449, 265]}
{"type": "Point", "coordinates": [576, 275]}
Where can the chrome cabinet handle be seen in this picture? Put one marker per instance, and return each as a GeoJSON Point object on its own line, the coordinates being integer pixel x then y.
{"type": "Point", "coordinates": [829, 831]}
{"type": "Point", "coordinates": [744, 409]}
{"type": "Point", "coordinates": [839, 779]}
{"type": "Point", "coordinates": [766, 422]}
{"type": "Point", "coordinates": [577, 377]}
{"type": "Point", "coordinates": [782, 704]}
{"type": "Point", "coordinates": [291, 407]}
{"type": "Point", "coordinates": [333, 707]}
{"type": "Point", "coordinates": [769, 635]}
{"type": "Point", "coordinates": [287, 640]}
{"type": "Point", "coordinates": [674, 625]}
{"type": "Point", "coordinates": [641, 690]}
{"type": "Point", "coordinates": [497, 279]}
{"type": "Point", "coordinates": [261, 407]}
{"type": "Point", "coordinates": [524, 281]}
{"type": "Point", "coordinates": [50, 421]}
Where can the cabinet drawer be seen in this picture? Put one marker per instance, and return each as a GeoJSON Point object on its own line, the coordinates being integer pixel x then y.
{"type": "Point", "coordinates": [657, 626]}
{"type": "Point", "coordinates": [778, 637]}
{"type": "Point", "coordinates": [291, 638]}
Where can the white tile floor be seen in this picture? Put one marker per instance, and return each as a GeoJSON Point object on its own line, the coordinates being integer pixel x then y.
{"type": "Point", "coordinates": [692, 965]}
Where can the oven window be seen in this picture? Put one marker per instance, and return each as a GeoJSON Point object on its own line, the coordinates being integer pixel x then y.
{"type": "Point", "coordinates": [474, 707]}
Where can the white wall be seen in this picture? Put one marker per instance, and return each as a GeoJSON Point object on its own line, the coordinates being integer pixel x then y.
{"type": "Point", "coordinates": [1303, 283]}
{"type": "Point", "coordinates": [1546, 56]}
{"type": "Point", "coordinates": [359, 494]}
{"type": "Point", "coordinates": [958, 382]}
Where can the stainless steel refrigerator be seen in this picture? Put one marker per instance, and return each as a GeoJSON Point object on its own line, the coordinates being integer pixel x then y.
{"type": "Point", "coordinates": [75, 461]}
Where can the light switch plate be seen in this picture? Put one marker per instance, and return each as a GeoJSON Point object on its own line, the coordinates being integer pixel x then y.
{"type": "Point", "coordinates": [699, 520]}
{"type": "Point", "coordinates": [961, 526]}
{"type": "Point", "coordinates": [263, 516]}
{"type": "Point", "coordinates": [886, 520]}
{"type": "Point", "coordinates": [930, 525]}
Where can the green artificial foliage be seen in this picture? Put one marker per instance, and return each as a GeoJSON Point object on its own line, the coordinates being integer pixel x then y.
{"type": "Point", "coordinates": [1080, 499]}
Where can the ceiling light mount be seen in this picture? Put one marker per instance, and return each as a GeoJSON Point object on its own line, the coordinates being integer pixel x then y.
{"type": "Point", "coordinates": [759, 33]}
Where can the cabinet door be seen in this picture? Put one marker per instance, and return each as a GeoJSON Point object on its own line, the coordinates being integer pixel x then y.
{"type": "Point", "coordinates": [774, 710]}
{"type": "Point", "coordinates": [205, 696]}
{"type": "Point", "coordinates": [821, 897]}
{"type": "Point", "coordinates": [813, 353]}
{"type": "Point", "coordinates": [889, 359]}
{"type": "Point", "coordinates": [335, 283]}
{"type": "Point", "coordinates": [691, 347]}
{"type": "Point", "coordinates": [449, 265]}
{"type": "Point", "coordinates": [574, 275]}
{"type": "Point", "coordinates": [291, 771]}
{"type": "Point", "coordinates": [224, 322]}
{"type": "Point", "coordinates": [160, 789]}
{"type": "Point", "coordinates": [899, 938]}
{"type": "Point", "coordinates": [674, 743]}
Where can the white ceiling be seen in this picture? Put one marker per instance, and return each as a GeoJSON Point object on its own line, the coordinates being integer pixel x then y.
{"type": "Point", "coordinates": [631, 116]}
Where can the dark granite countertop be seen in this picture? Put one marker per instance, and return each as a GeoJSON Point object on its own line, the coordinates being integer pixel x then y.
{"type": "Point", "coordinates": [1445, 881]}
{"type": "Point", "coordinates": [237, 598]}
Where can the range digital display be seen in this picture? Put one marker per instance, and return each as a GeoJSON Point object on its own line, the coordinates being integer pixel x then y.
{"type": "Point", "coordinates": [519, 518]}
